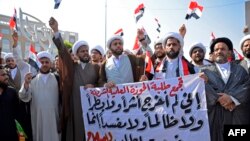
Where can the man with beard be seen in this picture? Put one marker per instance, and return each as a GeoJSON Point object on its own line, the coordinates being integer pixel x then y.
{"type": "Point", "coordinates": [8, 108]}
{"type": "Point", "coordinates": [197, 53]}
{"type": "Point", "coordinates": [97, 54]}
{"type": "Point", "coordinates": [73, 75]}
{"type": "Point", "coordinates": [245, 47]}
{"type": "Point", "coordinates": [121, 68]}
{"type": "Point", "coordinates": [43, 92]}
{"type": "Point", "coordinates": [159, 54]}
{"type": "Point", "coordinates": [174, 64]}
{"type": "Point", "coordinates": [227, 87]}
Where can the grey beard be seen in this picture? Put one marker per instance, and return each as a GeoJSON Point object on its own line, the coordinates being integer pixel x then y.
{"type": "Point", "coordinates": [220, 60]}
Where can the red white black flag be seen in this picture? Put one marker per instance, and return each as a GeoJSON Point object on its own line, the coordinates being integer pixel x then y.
{"type": "Point", "coordinates": [139, 11]}
{"type": "Point", "coordinates": [194, 10]}
{"type": "Point", "coordinates": [13, 21]}
{"type": "Point", "coordinates": [119, 32]}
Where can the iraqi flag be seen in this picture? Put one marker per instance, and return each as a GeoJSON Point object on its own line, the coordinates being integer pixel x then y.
{"type": "Point", "coordinates": [57, 4]}
{"type": "Point", "coordinates": [148, 64]}
{"type": "Point", "coordinates": [13, 21]}
{"type": "Point", "coordinates": [139, 11]}
{"type": "Point", "coordinates": [194, 10]}
{"type": "Point", "coordinates": [119, 32]}
{"type": "Point", "coordinates": [33, 59]}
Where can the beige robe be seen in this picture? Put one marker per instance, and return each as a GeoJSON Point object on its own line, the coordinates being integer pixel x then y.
{"type": "Point", "coordinates": [44, 107]}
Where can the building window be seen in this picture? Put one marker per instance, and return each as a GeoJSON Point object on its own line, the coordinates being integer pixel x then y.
{"type": "Point", "coordinates": [6, 31]}
{"type": "Point", "coordinates": [6, 45]}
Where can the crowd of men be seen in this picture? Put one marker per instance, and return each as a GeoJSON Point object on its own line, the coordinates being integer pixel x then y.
{"type": "Point", "coordinates": [47, 103]}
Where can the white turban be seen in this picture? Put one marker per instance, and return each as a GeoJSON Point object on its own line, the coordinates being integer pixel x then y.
{"type": "Point", "coordinates": [173, 35]}
{"type": "Point", "coordinates": [247, 37]}
{"type": "Point", "coordinates": [8, 55]}
{"type": "Point", "coordinates": [114, 37]}
{"type": "Point", "coordinates": [79, 44]}
{"type": "Point", "coordinates": [44, 54]}
{"type": "Point", "coordinates": [98, 48]}
{"type": "Point", "coordinates": [199, 45]}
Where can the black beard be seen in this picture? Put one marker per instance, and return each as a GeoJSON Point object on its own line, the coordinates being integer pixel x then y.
{"type": "Point", "coordinates": [10, 66]}
{"type": "Point", "coordinates": [116, 53]}
{"type": "Point", "coordinates": [247, 55]}
{"type": "Point", "coordinates": [85, 60]}
{"type": "Point", "coordinates": [172, 54]}
{"type": "Point", "coordinates": [43, 72]}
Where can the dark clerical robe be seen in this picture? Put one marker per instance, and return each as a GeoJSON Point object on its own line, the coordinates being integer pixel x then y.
{"type": "Point", "coordinates": [8, 114]}
{"type": "Point", "coordinates": [72, 77]}
{"type": "Point", "coordinates": [237, 86]}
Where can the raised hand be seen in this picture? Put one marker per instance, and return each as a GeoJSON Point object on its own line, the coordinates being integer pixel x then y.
{"type": "Point", "coordinates": [183, 30]}
{"type": "Point", "coordinates": [53, 24]}
{"type": "Point", "coordinates": [15, 39]}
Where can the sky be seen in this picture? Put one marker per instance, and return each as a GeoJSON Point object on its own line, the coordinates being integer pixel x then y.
{"type": "Point", "coordinates": [225, 18]}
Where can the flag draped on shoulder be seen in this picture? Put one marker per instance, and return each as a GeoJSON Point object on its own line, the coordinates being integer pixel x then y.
{"type": "Point", "coordinates": [194, 10]}
{"type": "Point", "coordinates": [148, 63]}
{"type": "Point", "coordinates": [13, 21]}
{"type": "Point", "coordinates": [139, 11]}
{"type": "Point", "coordinates": [57, 4]}
{"type": "Point", "coordinates": [33, 59]}
{"type": "Point", "coordinates": [119, 32]}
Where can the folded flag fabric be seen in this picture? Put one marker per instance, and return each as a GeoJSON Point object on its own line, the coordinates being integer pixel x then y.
{"type": "Point", "coordinates": [13, 21]}
{"type": "Point", "coordinates": [57, 4]}
{"type": "Point", "coordinates": [33, 59]}
{"type": "Point", "coordinates": [148, 63]}
{"type": "Point", "coordinates": [119, 32]}
{"type": "Point", "coordinates": [139, 11]}
{"type": "Point", "coordinates": [194, 10]}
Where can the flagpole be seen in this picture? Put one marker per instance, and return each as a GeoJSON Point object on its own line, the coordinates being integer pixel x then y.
{"type": "Point", "coordinates": [105, 39]}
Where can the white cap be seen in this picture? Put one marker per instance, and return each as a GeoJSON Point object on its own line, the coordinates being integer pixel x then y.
{"type": "Point", "coordinates": [78, 44]}
{"type": "Point", "coordinates": [173, 35]}
{"type": "Point", "coordinates": [114, 37]}
{"type": "Point", "coordinates": [158, 41]}
{"type": "Point", "coordinates": [44, 54]}
{"type": "Point", "coordinates": [247, 37]}
{"type": "Point", "coordinates": [197, 44]}
{"type": "Point", "coordinates": [8, 55]}
{"type": "Point", "coordinates": [99, 48]}
{"type": "Point", "coordinates": [3, 54]}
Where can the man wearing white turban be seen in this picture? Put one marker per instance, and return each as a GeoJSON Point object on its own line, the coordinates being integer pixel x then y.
{"type": "Point", "coordinates": [174, 64]}
{"type": "Point", "coordinates": [43, 92]}
{"type": "Point", "coordinates": [245, 48]}
{"type": "Point", "coordinates": [73, 75]}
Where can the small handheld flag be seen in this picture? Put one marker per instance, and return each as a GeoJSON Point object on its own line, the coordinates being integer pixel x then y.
{"type": "Point", "coordinates": [194, 10]}
{"type": "Point", "coordinates": [119, 32]}
{"type": "Point", "coordinates": [57, 4]}
{"type": "Point", "coordinates": [13, 21]}
{"type": "Point", "coordinates": [139, 11]}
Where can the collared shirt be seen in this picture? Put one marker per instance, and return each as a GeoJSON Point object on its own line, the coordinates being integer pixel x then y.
{"type": "Point", "coordinates": [116, 60]}
{"type": "Point", "coordinates": [225, 71]}
{"type": "Point", "coordinates": [83, 65]}
{"type": "Point", "coordinates": [171, 68]}
{"type": "Point", "coordinates": [13, 72]}
{"type": "Point", "coordinates": [248, 62]}
{"type": "Point", "coordinates": [44, 77]}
